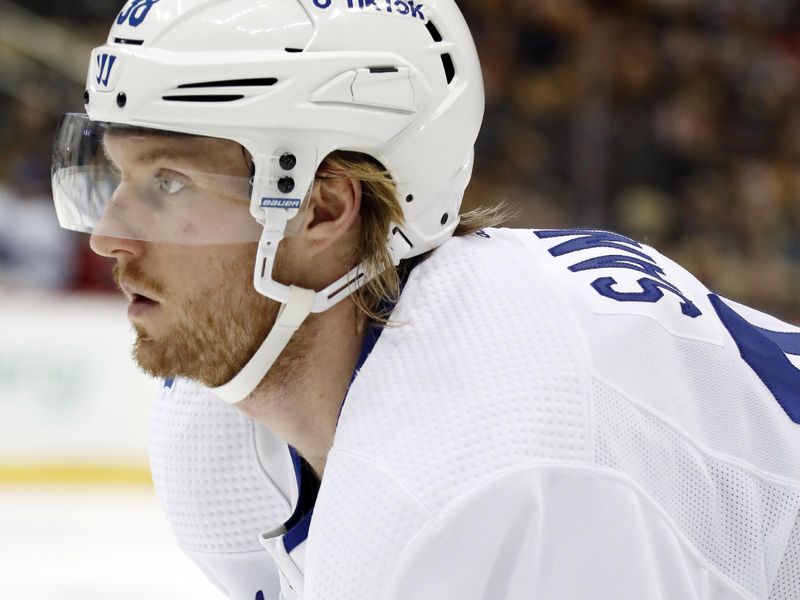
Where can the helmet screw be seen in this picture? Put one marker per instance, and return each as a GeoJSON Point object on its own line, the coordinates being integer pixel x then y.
{"type": "Point", "coordinates": [121, 99]}
{"type": "Point", "coordinates": [286, 184]}
{"type": "Point", "coordinates": [287, 161]}
{"type": "Point", "coordinates": [410, 198]}
{"type": "Point", "coordinates": [86, 97]}
{"type": "Point", "coordinates": [444, 218]}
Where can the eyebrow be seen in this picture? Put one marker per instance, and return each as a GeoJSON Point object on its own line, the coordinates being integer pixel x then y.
{"type": "Point", "coordinates": [152, 156]}
{"type": "Point", "coordinates": [157, 154]}
{"type": "Point", "coordinates": [190, 158]}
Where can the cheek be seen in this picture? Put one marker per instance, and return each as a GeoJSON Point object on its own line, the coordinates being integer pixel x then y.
{"type": "Point", "coordinates": [228, 271]}
{"type": "Point", "coordinates": [188, 229]}
{"type": "Point", "coordinates": [189, 274]}
{"type": "Point", "coordinates": [210, 275]}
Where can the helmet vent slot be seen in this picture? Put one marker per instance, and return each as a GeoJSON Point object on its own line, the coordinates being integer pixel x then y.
{"type": "Point", "coordinates": [293, 49]}
{"type": "Point", "coordinates": [128, 42]}
{"type": "Point", "coordinates": [437, 37]}
{"type": "Point", "coordinates": [204, 98]}
{"type": "Point", "coordinates": [231, 83]}
{"type": "Point", "coordinates": [449, 68]}
{"type": "Point", "coordinates": [383, 70]}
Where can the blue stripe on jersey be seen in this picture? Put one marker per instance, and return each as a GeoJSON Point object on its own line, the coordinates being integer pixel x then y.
{"type": "Point", "coordinates": [298, 534]}
{"type": "Point", "coordinates": [787, 341]}
{"type": "Point", "coordinates": [374, 330]}
{"type": "Point", "coordinates": [765, 351]}
{"type": "Point", "coordinates": [308, 489]}
{"type": "Point", "coordinates": [307, 483]}
{"type": "Point", "coordinates": [371, 336]}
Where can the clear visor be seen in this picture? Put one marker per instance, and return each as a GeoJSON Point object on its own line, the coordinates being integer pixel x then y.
{"type": "Point", "coordinates": [151, 186]}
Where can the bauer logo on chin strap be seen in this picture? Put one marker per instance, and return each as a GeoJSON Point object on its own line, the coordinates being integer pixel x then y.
{"type": "Point", "coordinates": [281, 202]}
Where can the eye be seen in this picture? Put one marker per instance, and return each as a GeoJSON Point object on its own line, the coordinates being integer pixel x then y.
{"type": "Point", "coordinates": [170, 185]}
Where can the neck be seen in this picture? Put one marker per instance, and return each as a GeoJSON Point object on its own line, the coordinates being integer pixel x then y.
{"type": "Point", "coordinates": [300, 398]}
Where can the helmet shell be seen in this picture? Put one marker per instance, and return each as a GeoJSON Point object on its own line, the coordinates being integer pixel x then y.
{"type": "Point", "coordinates": [396, 79]}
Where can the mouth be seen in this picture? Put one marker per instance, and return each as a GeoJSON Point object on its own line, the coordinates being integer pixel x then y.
{"type": "Point", "coordinates": [142, 300]}
{"type": "Point", "coordinates": [141, 306]}
{"type": "Point", "coordinates": [140, 303]}
{"type": "Point", "coordinates": [135, 293]}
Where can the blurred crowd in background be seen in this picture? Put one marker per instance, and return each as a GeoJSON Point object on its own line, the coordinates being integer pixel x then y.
{"type": "Point", "coordinates": [676, 122]}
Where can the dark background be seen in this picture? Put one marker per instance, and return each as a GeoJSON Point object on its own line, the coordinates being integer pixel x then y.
{"type": "Point", "coordinates": [674, 121]}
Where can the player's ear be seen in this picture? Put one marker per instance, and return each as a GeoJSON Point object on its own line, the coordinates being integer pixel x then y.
{"type": "Point", "coordinates": [332, 210]}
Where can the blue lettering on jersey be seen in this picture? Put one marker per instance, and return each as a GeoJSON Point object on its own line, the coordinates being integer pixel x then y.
{"type": "Point", "coordinates": [168, 382]}
{"type": "Point", "coordinates": [786, 341]}
{"type": "Point", "coordinates": [590, 239]}
{"type": "Point", "coordinates": [259, 595]}
{"type": "Point", "coordinates": [135, 12]}
{"type": "Point", "coordinates": [651, 288]}
{"type": "Point", "coordinates": [766, 353]}
{"type": "Point", "coordinates": [105, 62]}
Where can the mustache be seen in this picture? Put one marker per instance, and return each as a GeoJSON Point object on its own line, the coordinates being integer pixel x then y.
{"type": "Point", "coordinates": [133, 274]}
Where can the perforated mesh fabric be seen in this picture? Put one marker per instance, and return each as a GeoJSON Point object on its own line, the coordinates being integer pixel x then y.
{"type": "Point", "coordinates": [448, 398]}
{"type": "Point", "coordinates": [482, 371]}
{"type": "Point", "coordinates": [240, 575]}
{"type": "Point", "coordinates": [787, 583]}
{"type": "Point", "coordinates": [488, 368]}
{"type": "Point", "coordinates": [207, 473]}
{"type": "Point", "coordinates": [556, 532]}
{"type": "Point", "coordinates": [351, 561]}
{"type": "Point", "coordinates": [738, 519]}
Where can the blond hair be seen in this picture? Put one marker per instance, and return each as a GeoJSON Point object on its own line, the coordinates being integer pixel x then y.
{"type": "Point", "coordinates": [380, 208]}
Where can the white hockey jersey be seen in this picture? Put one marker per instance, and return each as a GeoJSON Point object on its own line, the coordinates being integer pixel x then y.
{"type": "Point", "coordinates": [560, 415]}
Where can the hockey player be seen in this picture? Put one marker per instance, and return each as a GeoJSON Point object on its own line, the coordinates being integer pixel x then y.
{"type": "Point", "coordinates": [367, 397]}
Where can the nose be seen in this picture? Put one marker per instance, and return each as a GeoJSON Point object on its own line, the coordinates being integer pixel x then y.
{"type": "Point", "coordinates": [112, 236]}
{"type": "Point", "coordinates": [114, 247]}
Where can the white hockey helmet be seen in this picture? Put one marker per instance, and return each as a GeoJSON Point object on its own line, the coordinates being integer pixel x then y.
{"type": "Point", "coordinates": [292, 81]}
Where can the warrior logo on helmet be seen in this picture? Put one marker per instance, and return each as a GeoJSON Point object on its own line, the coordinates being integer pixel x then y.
{"type": "Point", "coordinates": [105, 63]}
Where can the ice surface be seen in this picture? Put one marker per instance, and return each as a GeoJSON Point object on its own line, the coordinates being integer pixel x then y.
{"type": "Point", "coordinates": [91, 543]}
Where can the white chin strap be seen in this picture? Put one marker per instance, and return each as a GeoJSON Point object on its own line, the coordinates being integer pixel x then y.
{"type": "Point", "coordinates": [290, 317]}
{"type": "Point", "coordinates": [298, 303]}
